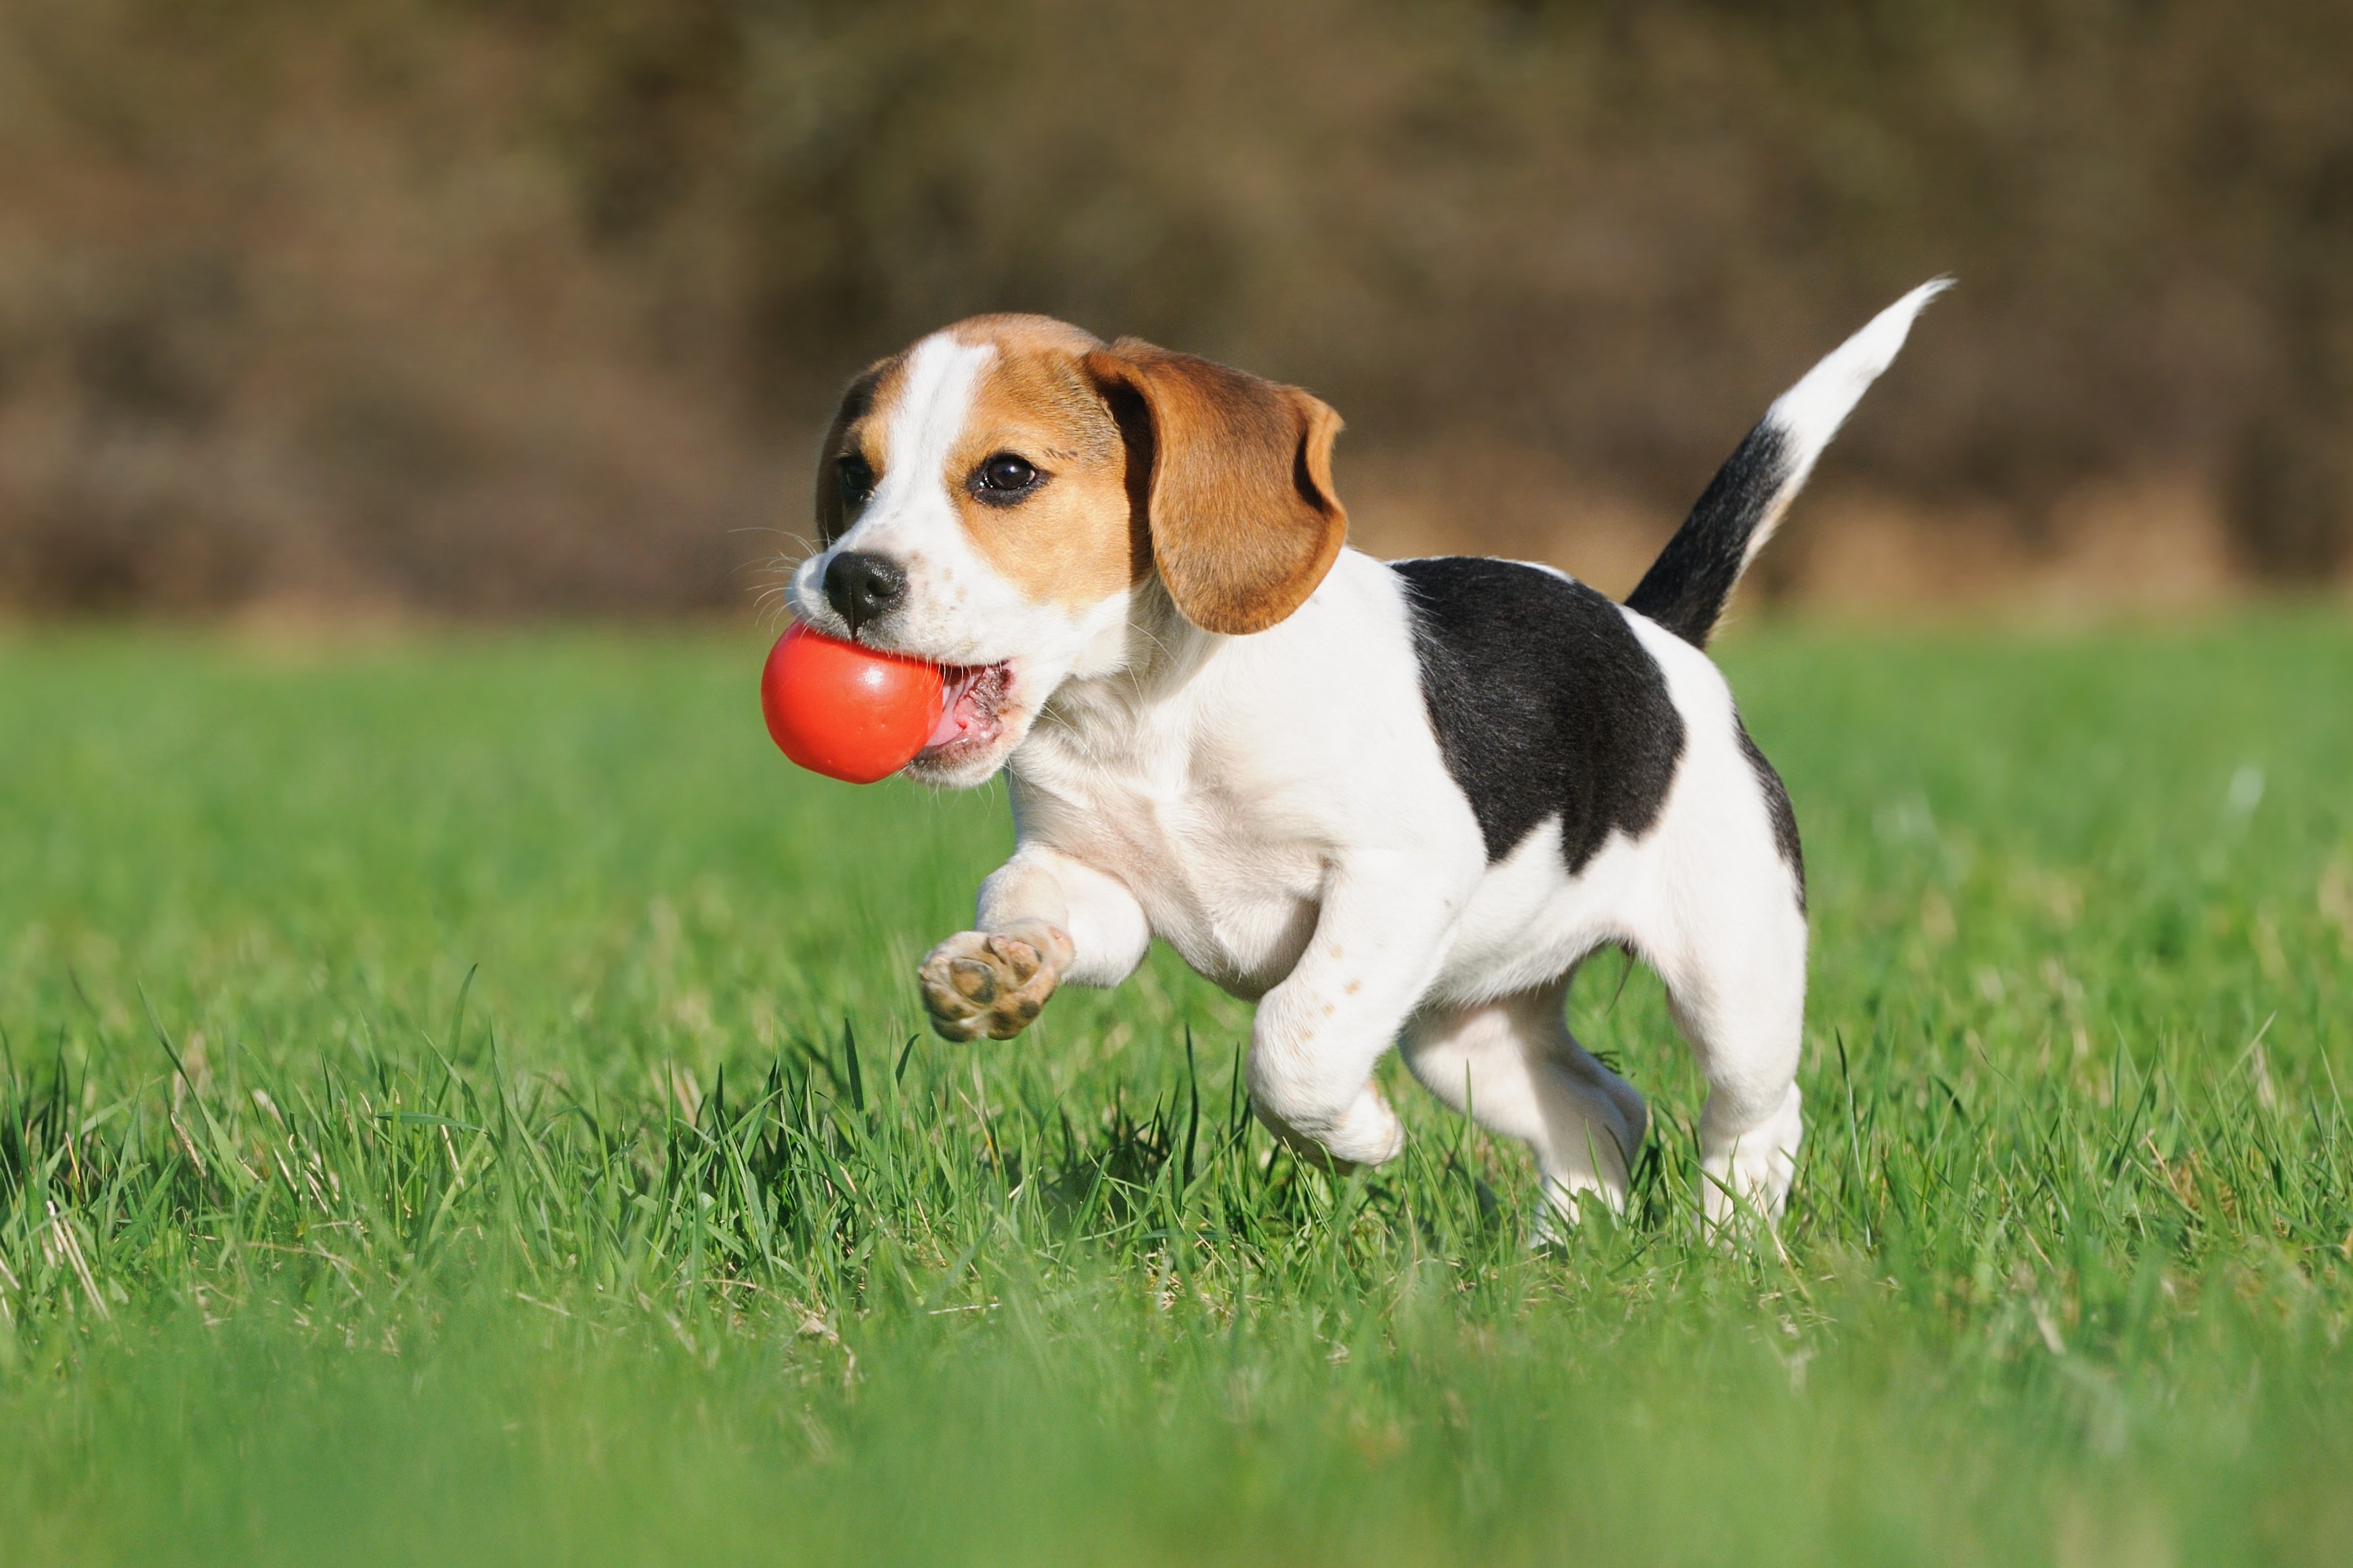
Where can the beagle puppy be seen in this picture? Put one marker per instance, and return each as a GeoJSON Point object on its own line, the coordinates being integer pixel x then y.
{"type": "Point", "coordinates": [1389, 802]}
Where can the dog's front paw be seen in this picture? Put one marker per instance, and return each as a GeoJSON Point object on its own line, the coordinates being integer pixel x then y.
{"type": "Point", "coordinates": [979, 983]}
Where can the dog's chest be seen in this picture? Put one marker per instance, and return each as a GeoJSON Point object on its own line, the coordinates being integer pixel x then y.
{"type": "Point", "coordinates": [1220, 876]}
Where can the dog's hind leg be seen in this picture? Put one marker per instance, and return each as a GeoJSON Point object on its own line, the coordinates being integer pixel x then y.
{"type": "Point", "coordinates": [1737, 991]}
{"type": "Point", "coordinates": [1513, 1065]}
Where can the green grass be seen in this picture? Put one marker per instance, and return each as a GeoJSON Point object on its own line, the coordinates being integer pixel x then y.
{"type": "Point", "coordinates": [464, 1099]}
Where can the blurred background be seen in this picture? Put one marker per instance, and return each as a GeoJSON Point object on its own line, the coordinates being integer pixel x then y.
{"type": "Point", "coordinates": [486, 307]}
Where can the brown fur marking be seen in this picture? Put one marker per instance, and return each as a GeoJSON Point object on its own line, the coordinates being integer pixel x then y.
{"type": "Point", "coordinates": [860, 425]}
{"type": "Point", "coordinates": [1075, 541]}
{"type": "Point", "coordinates": [1244, 517]}
{"type": "Point", "coordinates": [1219, 479]}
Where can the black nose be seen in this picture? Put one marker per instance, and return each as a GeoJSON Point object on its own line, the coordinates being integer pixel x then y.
{"type": "Point", "coordinates": [864, 587]}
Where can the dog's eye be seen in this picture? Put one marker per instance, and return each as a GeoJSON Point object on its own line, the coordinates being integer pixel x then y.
{"type": "Point", "coordinates": [857, 478]}
{"type": "Point", "coordinates": [1004, 479]}
{"type": "Point", "coordinates": [1006, 472]}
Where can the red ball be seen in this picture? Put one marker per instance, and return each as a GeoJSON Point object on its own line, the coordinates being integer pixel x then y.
{"type": "Point", "coordinates": [846, 712]}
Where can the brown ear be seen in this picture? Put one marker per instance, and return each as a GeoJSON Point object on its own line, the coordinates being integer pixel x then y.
{"type": "Point", "coordinates": [1243, 519]}
{"type": "Point", "coordinates": [832, 517]}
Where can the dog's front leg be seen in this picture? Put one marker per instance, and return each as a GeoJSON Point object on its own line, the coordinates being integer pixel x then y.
{"type": "Point", "coordinates": [1043, 919]}
{"type": "Point", "coordinates": [1381, 935]}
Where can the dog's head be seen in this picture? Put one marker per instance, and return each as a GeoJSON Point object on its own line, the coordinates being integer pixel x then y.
{"type": "Point", "coordinates": [994, 498]}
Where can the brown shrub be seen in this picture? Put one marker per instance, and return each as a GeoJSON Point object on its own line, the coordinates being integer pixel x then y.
{"type": "Point", "coordinates": [530, 305]}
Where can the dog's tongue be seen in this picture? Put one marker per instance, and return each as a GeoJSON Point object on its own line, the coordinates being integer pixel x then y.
{"type": "Point", "coordinates": [956, 710]}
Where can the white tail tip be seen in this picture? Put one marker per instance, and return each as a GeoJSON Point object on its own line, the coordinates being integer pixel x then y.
{"type": "Point", "coordinates": [1810, 412]}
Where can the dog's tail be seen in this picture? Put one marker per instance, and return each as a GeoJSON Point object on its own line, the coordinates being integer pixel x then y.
{"type": "Point", "coordinates": [1688, 585]}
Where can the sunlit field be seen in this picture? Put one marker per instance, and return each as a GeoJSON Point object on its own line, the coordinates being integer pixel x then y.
{"type": "Point", "coordinates": [464, 1099]}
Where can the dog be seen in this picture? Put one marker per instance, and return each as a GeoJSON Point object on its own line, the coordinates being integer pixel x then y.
{"type": "Point", "coordinates": [1389, 803]}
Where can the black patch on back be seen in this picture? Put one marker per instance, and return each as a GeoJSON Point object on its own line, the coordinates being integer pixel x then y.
{"type": "Point", "coordinates": [1688, 586]}
{"type": "Point", "coordinates": [1776, 803]}
{"type": "Point", "coordinates": [1545, 703]}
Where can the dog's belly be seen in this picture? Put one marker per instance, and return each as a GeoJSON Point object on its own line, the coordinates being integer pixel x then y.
{"type": "Point", "coordinates": [1529, 921]}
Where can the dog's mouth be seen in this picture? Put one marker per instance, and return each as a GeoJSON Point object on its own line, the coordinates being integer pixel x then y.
{"type": "Point", "coordinates": [971, 714]}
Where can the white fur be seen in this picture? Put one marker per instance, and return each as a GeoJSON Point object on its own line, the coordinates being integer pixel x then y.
{"type": "Point", "coordinates": [1276, 808]}
{"type": "Point", "coordinates": [1810, 412]}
